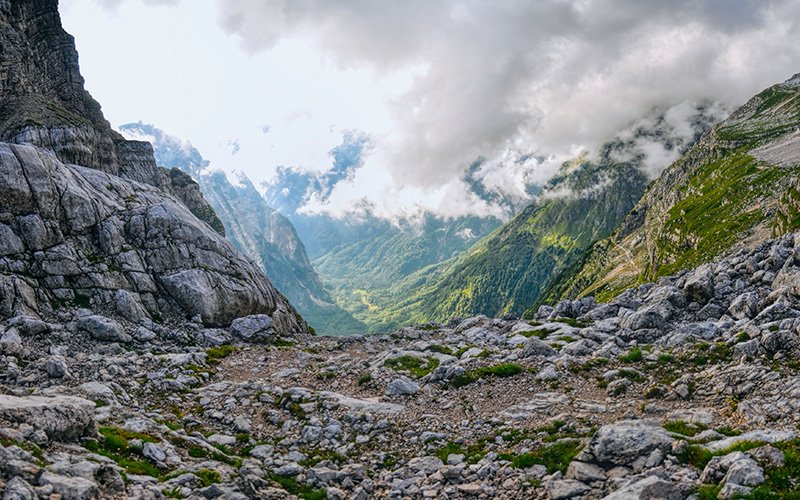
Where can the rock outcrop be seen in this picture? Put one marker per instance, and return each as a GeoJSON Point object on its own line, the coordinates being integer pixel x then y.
{"type": "Point", "coordinates": [43, 102]}
{"type": "Point", "coordinates": [83, 237]}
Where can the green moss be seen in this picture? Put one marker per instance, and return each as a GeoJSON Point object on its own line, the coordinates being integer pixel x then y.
{"type": "Point", "coordinates": [440, 349]}
{"type": "Point", "coordinates": [556, 457]}
{"type": "Point", "coordinates": [208, 476]}
{"type": "Point", "coordinates": [215, 355]}
{"type": "Point", "coordinates": [303, 491]}
{"type": "Point", "coordinates": [633, 356]}
{"type": "Point", "coordinates": [416, 367]}
{"type": "Point", "coordinates": [113, 444]}
{"type": "Point", "coordinates": [684, 428]}
{"type": "Point", "coordinates": [502, 370]}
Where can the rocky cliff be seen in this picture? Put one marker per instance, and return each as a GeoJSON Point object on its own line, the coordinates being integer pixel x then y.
{"type": "Point", "coordinates": [116, 233]}
{"type": "Point", "coordinates": [43, 102]}
{"type": "Point", "coordinates": [258, 231]}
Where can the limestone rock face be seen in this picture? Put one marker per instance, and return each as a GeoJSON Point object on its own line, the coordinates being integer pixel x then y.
{"type": "Point", "coordinates": [43, 102]}
{"type": "Point", "coordinates": [85, 237]}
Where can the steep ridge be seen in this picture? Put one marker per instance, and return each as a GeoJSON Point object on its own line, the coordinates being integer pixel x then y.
{"type": "Point", "coordinates": [736, 187]}
{"type": "Point", "coordinates": [117, 236]}
{"type": "Point", "coordinates": [258, 231]}
{"type": "Point", "coordinates": [43, 102]}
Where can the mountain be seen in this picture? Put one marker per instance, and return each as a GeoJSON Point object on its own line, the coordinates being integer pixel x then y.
{"type": "Point", "coordinates": [734, 188]}
{"type": "Point", "coordinates": [363, 275]}
{"type": "Point", "coordinates": [87, 218]}
{"type": "Point", "coordinates": [361, 259]}
{"type": "Point", "coordinates": [255, 229]}
{"type": "Point", "coordinates": [506, 271]}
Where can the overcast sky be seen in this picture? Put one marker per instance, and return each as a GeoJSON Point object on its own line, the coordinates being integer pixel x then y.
{"type": "Point", "coordinates": [254, 84]}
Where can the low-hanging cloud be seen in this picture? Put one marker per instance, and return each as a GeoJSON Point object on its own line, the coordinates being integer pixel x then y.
{"type": "Point", "coordinates": [521, 86]}
{"type": "Point", "coordinates": [506, 79]}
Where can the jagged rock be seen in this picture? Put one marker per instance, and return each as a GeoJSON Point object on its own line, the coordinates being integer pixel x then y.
{"type": "Point", "coordinates": [61, 417]}
{"type": "Point", "coordinates": [402, 387]}
{"type": "Point", "coordinates": [585, 472]}
{"type": "Point", "coordinates": [566, 488]}
{"type": "Point", "coordinates": [147, 240]}
{"type": "Point", "coordinates": [56, 367]}
{"type": "Point", "coordinates": [253, 328]}
{"type": "Point", "coordinates": [19, 489]}
{"type": "Point", "coordinates": [625, 441]}
{"type": "Point", "coordinates": [70, 488]}
{"type": "Point", "coordinates": [649, 488]}
{"type": "Point", "coordinates": [536, 347]}
{"type": "Point", "coordinates": [744, 306]}
{"type": "Point", "coordinates": [102, 328]}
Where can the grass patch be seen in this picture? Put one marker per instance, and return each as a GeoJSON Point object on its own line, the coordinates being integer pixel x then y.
{"type": "Point", "coordinates": [440, 349]}
{"type": "Point", "coordinates": [684, 428]}
{"type": "Point", "coordinates": [215, 355]}
{"type": "Point", "coordinates": [208, 476]}
{"type": "Point", "coordinates": [279, 342]}
{"type": "Point", "coordinates": [416, 367]}
{"type": "Point", "coordinates": [316, 456]}
{"type": "Point", "coordinates": [114, 444]}
{"type": "Point", "coordinates": [556, 457]}
{"type": "Point", "coordinates": [502, 370]}
{"type": "Point", "coordinates": [633, 356]}
{"type": "Point", "coordinates": [290, 485]}
{"type": "Point", "coordinates": [365, 379]}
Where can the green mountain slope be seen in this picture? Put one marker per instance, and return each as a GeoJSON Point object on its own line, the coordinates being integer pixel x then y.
{"type": "Point", "coordinates": [508, 270]}
{"type": "Point", "coordinates": [260, 232]}
{"type": "Point", "coordinates": [363, 275]}
{"type": "Point", "coordinates": [736, 187]}
{"type": "Point", "coordinates": [505, 272]}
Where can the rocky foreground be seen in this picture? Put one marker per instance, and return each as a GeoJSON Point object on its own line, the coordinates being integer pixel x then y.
{"type": "Point", "coordinates": [688, 388]}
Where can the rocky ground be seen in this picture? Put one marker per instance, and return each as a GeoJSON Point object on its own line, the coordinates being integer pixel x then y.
{"type": "Point", "coordinates": [688, 388]}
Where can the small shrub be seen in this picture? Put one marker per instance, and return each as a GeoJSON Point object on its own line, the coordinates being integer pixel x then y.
{"type": "Point", "coordinates": [208, 476]}
{"type": "Point", "coordinates": [556, 457]}
{"type": "Point", "coordinates": [633, 356]}
{"type": "Point", "coordinates": [215, 355]}
{"type": "Point", "coordinates": [365, 379]}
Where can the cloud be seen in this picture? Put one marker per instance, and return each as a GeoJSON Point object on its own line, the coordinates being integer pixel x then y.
{"type": "Point", "coordinates": [507, 81]}
{"type": "Point", "coordinates": [504, 92]}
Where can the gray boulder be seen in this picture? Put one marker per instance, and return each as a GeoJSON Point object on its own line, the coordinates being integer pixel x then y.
{"type": "Point", "coordinates": [258, 327]}
{"type": "Point", "coordinates": [699, 285]}
{"type": "Point", "coordinates": [102, 328]}
{"type": "Point", "coordinates": [60, 417]}
{"type": "Point", "coordinates": [402, 387]}
{"type": "Point", "coordinates": [537, 347]}
{"type": "Point", "coordinates": [622, 443]}
{"type": "Point", "coordinates": [649, 488]}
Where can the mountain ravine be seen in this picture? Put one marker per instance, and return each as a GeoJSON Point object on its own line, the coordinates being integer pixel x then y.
{"type": "Point", "coordinates": [256, 230]}
{"type": "Point", "coordinates": [142, 356]}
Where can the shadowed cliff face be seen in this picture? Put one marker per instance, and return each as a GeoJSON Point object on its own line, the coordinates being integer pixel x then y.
{"type": "Point", "coordinates": [43, 102]}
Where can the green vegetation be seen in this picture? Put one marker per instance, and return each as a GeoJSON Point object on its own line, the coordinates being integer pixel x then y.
{"type": "Point", "coordinates": [303, 491]}
{"type": "Point", "coordinates": [556, 456]}
{"type": "Point", "coordinates": [114, 444]}
{"type": "Point", "coordinates": [440, 349]}
{"type": "Point", "coordinates": [215, 355]}
{"type": "Point", "coordinates": [502, 370]}
{"type": "Point", "coordinates": [317, 455]}
{"type": "Point", "coordinates": [208, 477]}
{"type": "Point", "coordinates": [632, 356]}
{"type": "Point", "coordinates": [416, 367]}
{"type": "Point", "coordinates": [683, 428]}
{"type": "Point", "coordinates": [365, 379]}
